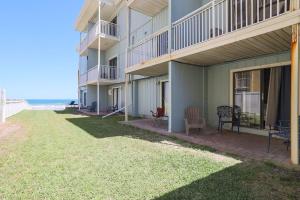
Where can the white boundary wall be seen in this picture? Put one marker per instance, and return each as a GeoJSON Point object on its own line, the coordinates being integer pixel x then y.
{"type": "Point", "coordinates": [2, 106]}
{"type": "Point", "coordinates": [15, 106]}
{"type": "Point", "coordinates": [9, 108]}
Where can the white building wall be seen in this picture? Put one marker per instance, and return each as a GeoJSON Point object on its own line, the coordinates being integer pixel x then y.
{"type": "Point", "coordinates": [149, 95]}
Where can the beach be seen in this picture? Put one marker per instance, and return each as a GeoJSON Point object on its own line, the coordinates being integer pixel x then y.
{"type": "Point", "coordinates": [48, 104]}
{"type": "Point", "coordinates": [48, 107]}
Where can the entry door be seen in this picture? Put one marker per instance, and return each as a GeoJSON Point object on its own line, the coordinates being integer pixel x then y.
{"type": "Point", "coordinates": [165, 99]}
{"type": "Point", "coordinates": [117, 98]}
{"type": "Point", "coordinates": [84, 99]}
{"type": "Point", "coordinates": [113, 65]}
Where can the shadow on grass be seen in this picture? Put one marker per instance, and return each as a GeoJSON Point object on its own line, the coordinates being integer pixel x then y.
{"type": "Point", "coordinates": [110, 127]}
{"type": "Point", "coordinates": [246, 180]}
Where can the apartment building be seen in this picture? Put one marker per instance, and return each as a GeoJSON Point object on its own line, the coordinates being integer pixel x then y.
{"type": "Point", "coordinates": [175, 54]}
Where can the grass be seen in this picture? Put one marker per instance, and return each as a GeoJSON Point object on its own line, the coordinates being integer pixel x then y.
{"type": "Point", "coordinates": [67, 156]}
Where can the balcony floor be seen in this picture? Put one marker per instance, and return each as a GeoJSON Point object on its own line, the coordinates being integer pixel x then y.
{"type": "Point", "coordinates": [248, 146]}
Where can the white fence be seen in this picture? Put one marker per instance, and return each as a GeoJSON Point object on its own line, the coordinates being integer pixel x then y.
{"type": "Point", "coordinates": [15, 106]}
{"type": "Point", "coordinates": [9, 108]}
{"type": "Point", "coordinates": [219, 17]}
{"type": "Point", "coordinates": [2, 106]}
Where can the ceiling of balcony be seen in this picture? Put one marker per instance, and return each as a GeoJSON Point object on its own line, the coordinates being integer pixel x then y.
{"type": "Point", "coordinates": [269, 43]}
{"type": "Point", "coordinates": [148, 7]}
{"type": "Point", "coordinates": [89, 12]}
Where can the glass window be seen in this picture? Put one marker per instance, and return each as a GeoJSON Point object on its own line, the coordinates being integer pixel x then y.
{"type": "Point", "coordinates": [247, 95]}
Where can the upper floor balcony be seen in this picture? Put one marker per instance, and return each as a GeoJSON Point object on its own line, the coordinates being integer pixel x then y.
{"type": "Point", "coordinates": [154, 47]}
{"type": "Point", "coordinates": [106, 75]}
{"type": "Point", "coordinates": [149, 7]}
{"type": "Point", "coordinates": [222, 31]}
{"type": "Point", "coordinates": [107, 32]}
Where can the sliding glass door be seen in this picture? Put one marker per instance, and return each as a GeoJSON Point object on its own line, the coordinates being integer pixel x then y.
{"type": "Point", "coordinates": [247, 95]}
{"type": "Point", "coordinates": [263, 96]}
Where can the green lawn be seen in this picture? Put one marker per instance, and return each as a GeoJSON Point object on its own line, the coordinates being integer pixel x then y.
{"type": "Point", "coordinates": [68, 156]}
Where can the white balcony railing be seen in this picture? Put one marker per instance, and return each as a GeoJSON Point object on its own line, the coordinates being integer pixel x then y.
{"type": "Point", "coordinates": [152, 47]}
{"type": "Point", "coordinates": [83, 79]}
{"type": "Point", "coordinates": [106, 72]}
{"type": "Point", "coordinates": [107, 29]}
{"type": "Point", "coordinates": [219, 17]}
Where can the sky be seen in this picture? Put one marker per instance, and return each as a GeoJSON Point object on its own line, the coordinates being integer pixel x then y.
{"type": "Point", "coordinates": [38, 58]}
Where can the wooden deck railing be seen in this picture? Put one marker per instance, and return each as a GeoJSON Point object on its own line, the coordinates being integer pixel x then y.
{"type": "Point", "coordinates": [219, 17]}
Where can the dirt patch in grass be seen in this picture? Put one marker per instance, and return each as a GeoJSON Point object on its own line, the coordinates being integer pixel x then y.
{"type": "Point", "coordinates": [9, 129]}
{"type": "Point", "coordinates": [10, 134]}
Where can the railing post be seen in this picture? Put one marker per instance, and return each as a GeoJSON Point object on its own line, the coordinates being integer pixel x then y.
{"type": "Point", "coordinates": [2, 106]}
{"type": "Point", "coordinates": [170, 38]}
{"type": "Point", "coordinates": [213, 19]}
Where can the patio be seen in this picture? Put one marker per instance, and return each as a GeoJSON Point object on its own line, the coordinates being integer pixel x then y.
{"type": "Point", "coordinates": [246, 145]}
{"type": "Point", "coordinates": [89, 113]}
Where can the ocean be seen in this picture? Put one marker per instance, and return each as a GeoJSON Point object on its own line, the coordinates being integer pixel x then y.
{"type": "Point", "coordinates": [49, 102]}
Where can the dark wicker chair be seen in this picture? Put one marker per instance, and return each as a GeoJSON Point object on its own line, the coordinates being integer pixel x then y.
{"type": "Point", "coordinates": [93, 107]}
{"type": "Point", "coordinates": [229, 115]}
{"type": "Point", "coordinates": [282, 130]}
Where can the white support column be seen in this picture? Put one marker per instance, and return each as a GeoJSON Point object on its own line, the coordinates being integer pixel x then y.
{"type": "Point", "coordinates": [99, 58]}
{"type": "Point", "coordinates": [128, 24]}
{"type": "Point", "coordinates": [2, 106]}
{"type": "Point", "coordinates": [126, 96]}
{"type": "Point", "coordinates": [170, 97]}
{"type": "Point", "coordinates": [295, 108]}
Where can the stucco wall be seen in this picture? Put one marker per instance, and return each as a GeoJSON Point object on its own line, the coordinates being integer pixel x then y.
{"type": "Point", "coordinates": [147, 95]}
{"type": "Point", "coordinates": [181, 8]}
{"type": "Point", "coordinates": [218, 85]}
{"type": "Point", "coordinates": [187, 89]}
{"type": "Point", "coordinates": [91, 95]}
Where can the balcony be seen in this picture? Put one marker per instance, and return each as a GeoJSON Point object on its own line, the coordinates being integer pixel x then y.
{"type": "Point", "coordinates": [220, 31]}
{"type": "Point", "coordinates": [149, 7]}
{"type": "Point", "coordinates": [109, 36]}
{"type": "Point", "coordinates": [149, 50]}
{"type": "Point", "coordinates": [226, 30]}
{"type": "Point", "coordinates": [107, 75]}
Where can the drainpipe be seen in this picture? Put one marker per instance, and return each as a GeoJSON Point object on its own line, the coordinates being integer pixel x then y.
{"type": "Point", "coordinates": [99, 57]}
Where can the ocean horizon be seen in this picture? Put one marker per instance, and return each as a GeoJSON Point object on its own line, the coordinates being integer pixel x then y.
{"type": "Point", "coordinates": [49, 102]}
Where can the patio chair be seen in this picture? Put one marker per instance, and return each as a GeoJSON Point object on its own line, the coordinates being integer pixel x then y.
{"type": "Point", "coordinates": [158, 115]}
{"type": "Point", "coordinates": [112, 108]}
{"type": "Point", "coordinates": [93, 107]}
{"type": "Point", "coordinates": [282, 130]}
{"type": "Point", "coordinates": [229, 115]}
{"type": "Point", "coordinates": [73, 104]}
{"type": "Point", "coordinates": [193, 119]}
